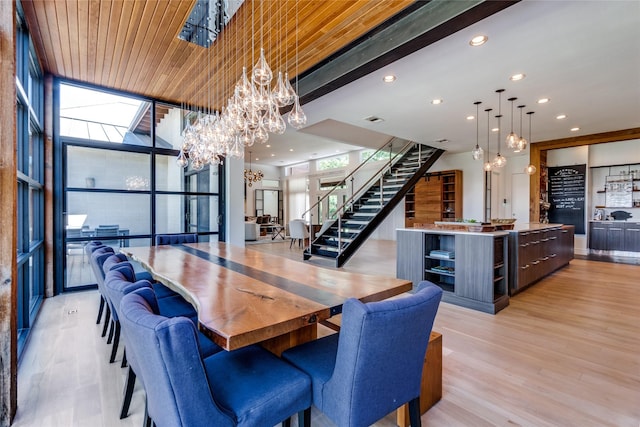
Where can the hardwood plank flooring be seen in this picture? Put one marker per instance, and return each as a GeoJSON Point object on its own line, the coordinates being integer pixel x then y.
{"type": "Point", "coordinates": [564, 353]}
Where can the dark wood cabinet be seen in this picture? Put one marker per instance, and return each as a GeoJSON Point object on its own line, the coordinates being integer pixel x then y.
{"type": "Point", "coordinates": [533, 254]}
{"type": "Point", "coordinates": [598, 235]}
{"type": "Point", "coordinates": [614, 236]}
{"type": "Point", "coordinates": [632, 237]}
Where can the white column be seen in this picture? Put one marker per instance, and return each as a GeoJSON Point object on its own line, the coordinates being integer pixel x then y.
{"type": "Point", "coordinates": [234, 210]}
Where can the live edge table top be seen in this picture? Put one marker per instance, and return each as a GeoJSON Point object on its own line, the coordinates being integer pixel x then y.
{"type": "Point", "coordinates": [245, 297]}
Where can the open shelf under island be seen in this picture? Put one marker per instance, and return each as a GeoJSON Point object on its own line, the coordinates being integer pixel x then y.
{"type": "Point", "coordinates": [479, 270]}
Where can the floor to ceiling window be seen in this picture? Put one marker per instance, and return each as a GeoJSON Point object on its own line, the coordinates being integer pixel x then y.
{"type": "Point", "coordinates": [119, 179]}
{"type": "Point", "coordinates": [30, 182]}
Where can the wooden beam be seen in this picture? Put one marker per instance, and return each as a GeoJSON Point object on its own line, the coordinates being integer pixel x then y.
{"type": "Point", "coordinates": [8, 212]}
{"type": "Point", "coordinates": [538, 158]}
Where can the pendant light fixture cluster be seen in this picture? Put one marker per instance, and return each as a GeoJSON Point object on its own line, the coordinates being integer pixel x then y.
{"type": "Point", "coordinates": [251, 176]}
{"type": "Point", "coordinates": [250, 114]}
{"type": "Point", "coordinates": [514, 141]}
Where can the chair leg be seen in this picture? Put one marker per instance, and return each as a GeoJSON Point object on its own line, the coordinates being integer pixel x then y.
{"type": "Point", "coordinates": [147, 421]}
{"type": "Point", "coordinates": [128, 393]}
{"type": "Point", "coordinates": [291, 242]}
{"type": "Point", "coordinates": [100, 310]}
{"type": "Point", "coordinates": [414, 412]}
{"type": "Point", "coordinates": [304, 418]}
{"type": "Point", "coordinates": [107, 317]}
{"type": "Point", "coordinates": [116, 341]}
{"type": "Point", "coordinates": [111, 328]}
{"type": "Point", "coordinates": [124, 358]}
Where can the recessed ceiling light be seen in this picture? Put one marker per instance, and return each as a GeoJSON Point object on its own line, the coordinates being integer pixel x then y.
{"type": "Point", "coordinates": [257, 159]}
{"type": "Point", "coordinates": [290, 149]}
{"type": "Point", "coordinates": [478, 40]}
{"type": "Point", "coordinates": [561, 116]}
{"type": "Point", "coordinates": [543, 100]}
{"type": "Point", "coordinates": [471, 117]}
{"type": "Point", "coordinates": [389, 78]}
{"type": "Point", "coordinates": [268, 145]}
{"type": "Point", "coordinates": [495, 129]}
{"type": "Point", "coordinates": [575, 129]}
{"type": "Point", "coordinates": [437, 101]}
{"type": "Point", "coordinates": [273, 155]}
{"type": "Point", "coordinates": [517, 77]}
{"type": "Point", "coordinates": [374, 119]}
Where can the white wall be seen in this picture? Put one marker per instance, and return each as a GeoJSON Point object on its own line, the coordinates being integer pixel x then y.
{"type": "Point", "coordinates": [270, 173]}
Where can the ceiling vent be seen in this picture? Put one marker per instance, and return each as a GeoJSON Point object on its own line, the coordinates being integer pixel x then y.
{"type": "Point", "coordinates": [374, 119]}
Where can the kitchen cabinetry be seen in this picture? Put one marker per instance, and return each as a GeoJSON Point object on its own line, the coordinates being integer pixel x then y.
{"type": "Point", "coordinates": [436, 197]}
{"type": "Point", "coordinates": [471, 268]}
{"type": "Point", "coordinates": [537, 252]}
{"type": "Point", "coordinates": [632, 236]}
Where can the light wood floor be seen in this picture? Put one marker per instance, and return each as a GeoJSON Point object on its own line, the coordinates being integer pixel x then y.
{"type": "Point", "coordinates": [566, 352]}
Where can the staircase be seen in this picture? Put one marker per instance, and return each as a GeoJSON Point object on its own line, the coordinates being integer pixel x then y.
{"type": "Point", "coordinates": [369, 206]}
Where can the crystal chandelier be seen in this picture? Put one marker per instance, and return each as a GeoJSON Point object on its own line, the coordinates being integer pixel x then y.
{"type": "Point", "coordinates": [530, 169]}
{"type": "Point", "coordinates": [487, 165]}
{"type": "Point", "coordinates": [250, 114]}
{"type": "Point", "coordinates": [250, 176]}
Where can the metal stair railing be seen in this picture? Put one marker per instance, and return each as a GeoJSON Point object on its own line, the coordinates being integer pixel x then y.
{"type": "Point", "coordinates": [378, 175]}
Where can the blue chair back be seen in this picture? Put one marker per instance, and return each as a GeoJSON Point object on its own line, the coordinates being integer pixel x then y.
{"type": "Point", "coordinates": [176, 239]}
{"type": "Point", "coordinates": [175, 380]}
{"type": "Point", "coordinates": [381, 350]}
{"type": "Point", "coordinates": [117, 284]}
{"type": "Point", "coordinates": [98, 257]}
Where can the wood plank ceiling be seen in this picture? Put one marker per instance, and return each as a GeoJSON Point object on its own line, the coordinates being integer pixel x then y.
{"type": "Point", "coordinates": [133, 45]}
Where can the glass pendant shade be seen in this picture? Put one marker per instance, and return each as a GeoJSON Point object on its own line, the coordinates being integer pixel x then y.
{"type": "Point", "coordinates": [262, 74]}
{"type": "Point", "coordinates": [530, 170]}
{"type": "Point", "coordinates": [477, 153]}
{"type": "Point", "coordinates": [297, 118]}
{"type": "Point", "coordinates": [290, 90]}
{"type": "Point", "coordinates": [261, 135]}
{"type": "Point", "coordinates": [182, 160]}
{"type": "Point", "coordinates": [499, 161]}
{"type": "Point", "coordinates": [512, 140]}
{"type": "Point", "coordinates": [487, 166]}
{"type": "Point", "coordinates": [522, 144]}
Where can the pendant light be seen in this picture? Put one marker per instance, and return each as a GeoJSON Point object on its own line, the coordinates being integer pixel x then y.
{"type": "Point", "coordinates": [512, 138]}
{"type": "Point", "coordinates": [522, 142]}
{"type": "Point", "coordinates": [477, 152]}
{"type": "Point", "coordinates": [487, 164]}
{"type": "Point", "coordinates": [530, 169]}
{"type": "Point", "coordinates": [499, 161]}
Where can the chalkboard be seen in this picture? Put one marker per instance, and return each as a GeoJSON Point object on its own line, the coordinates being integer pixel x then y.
{"type": "Point", "coordinates": [566, 195]}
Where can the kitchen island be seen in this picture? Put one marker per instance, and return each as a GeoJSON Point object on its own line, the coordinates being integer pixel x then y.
{"type": "Point", "coordinates": [479, 270]}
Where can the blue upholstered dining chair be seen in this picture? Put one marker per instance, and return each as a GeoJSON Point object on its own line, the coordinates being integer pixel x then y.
{"type": "Point", "coordinates": [88, 249]}
{"type": "Point", "coordinates": [244, 387]}
{"type": "Point", "coordinates": [97, 258]}
{"type": "Point", "coordinates": [374, 364]}
{"type": "Point", "coordinates": [118, 283]}
{"type": "Point", "coordinates": [176, 239]}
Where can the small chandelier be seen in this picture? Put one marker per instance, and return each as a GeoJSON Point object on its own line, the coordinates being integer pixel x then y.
{"type": "Point", "coordinates": [512, 138]}
{"type": "Point", "coordinates": [530, 169]}
{"type": "Point", "coordinates": [522, 142]}
{"type": "Point", "coordinates": [499, 161]}
{"type": "Point", "coordinates": [476, 153]}
{"type": "Point", "coordinates": [487, 165]}
{"type": "Point", "coordinates": [250, 176]}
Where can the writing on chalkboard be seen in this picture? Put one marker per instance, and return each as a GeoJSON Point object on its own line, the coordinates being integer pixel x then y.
{"type": "Point", "coordinates": [567, 195]}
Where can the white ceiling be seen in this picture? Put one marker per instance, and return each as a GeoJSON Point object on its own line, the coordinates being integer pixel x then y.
{"type": "Point", "coordinates": [583, 55]}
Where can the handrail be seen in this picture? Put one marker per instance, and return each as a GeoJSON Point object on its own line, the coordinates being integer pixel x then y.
{"type": "Point", "coordinates": [365, 187]}
{"type": "Point", "coordinates": [344, 181]}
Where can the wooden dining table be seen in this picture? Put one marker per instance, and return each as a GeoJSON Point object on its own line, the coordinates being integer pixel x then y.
{"type": "Point", "coordinates": [245, 297]}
